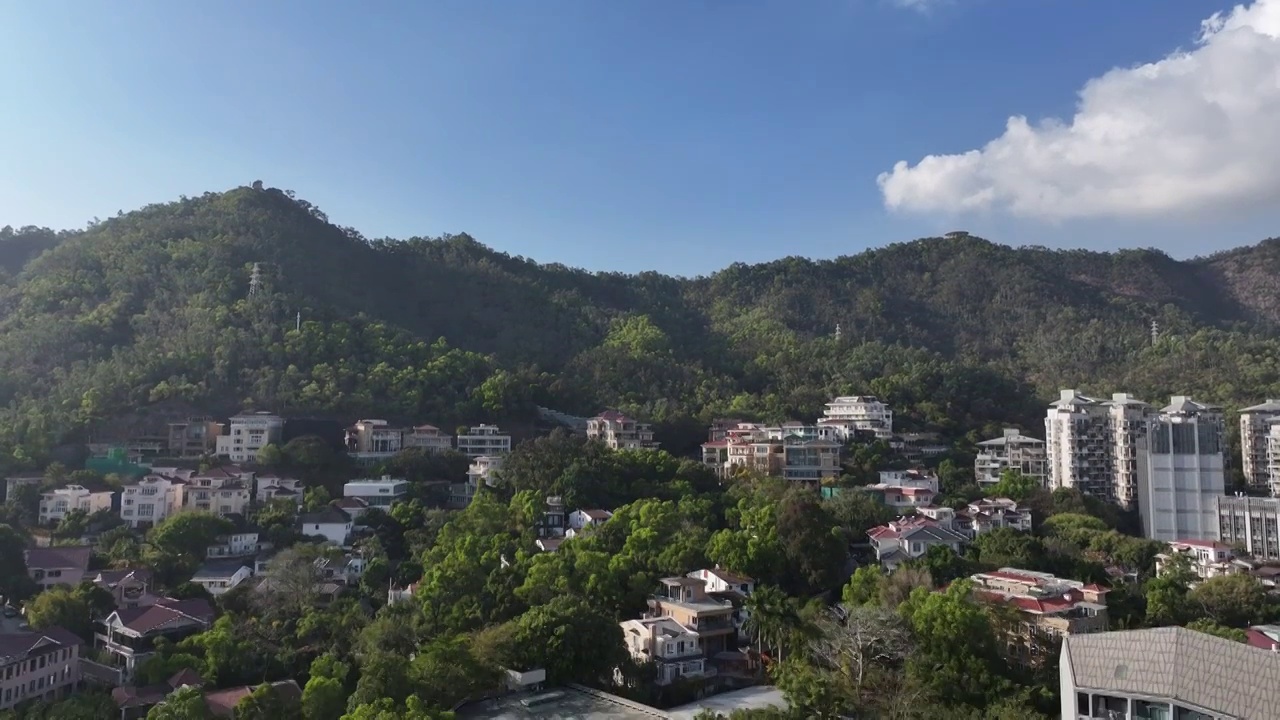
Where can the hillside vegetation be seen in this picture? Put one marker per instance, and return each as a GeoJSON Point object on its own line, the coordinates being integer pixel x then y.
{"type": "Point", "coordinates": [152, 309]}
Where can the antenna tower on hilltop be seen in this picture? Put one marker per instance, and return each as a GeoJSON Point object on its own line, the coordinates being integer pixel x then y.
{"type": "Point", "coordinates": [1155, 331]}
{"type": "Point", "coordinates": [837, 331]}
{"type": "Point", "coordinates": [255, 279]}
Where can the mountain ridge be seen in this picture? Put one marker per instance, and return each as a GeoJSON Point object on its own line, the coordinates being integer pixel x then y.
{"type": "Point", "coordinates": [154, 305]}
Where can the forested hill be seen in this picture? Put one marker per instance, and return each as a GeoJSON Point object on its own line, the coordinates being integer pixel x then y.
{"type": "Point", "coordinates": [153, 309]}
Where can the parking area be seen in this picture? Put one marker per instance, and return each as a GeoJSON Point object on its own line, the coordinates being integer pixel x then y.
{"type": "Point", "coordinates": [11, 625]}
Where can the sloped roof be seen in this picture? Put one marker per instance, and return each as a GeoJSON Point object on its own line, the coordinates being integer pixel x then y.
{"type": "Point", "coordinates": [59, 557]}
{"type": "Point", "coordinates": [1185, 405]}
{"type": "Point", "coordinates": [19, 644]}
{"type": "Point", "coordinates": [165, 612]}
{"type": "Point", "coordinates": [328, 516]}
{"type": "Point", "coordinates": [1002, 441]}
{"type": "Point", "coordinates": [1221, 675]}
{"type": "Point", "coordinates": [222, 703]}
{"type": "Point", "coordinates": [1268, 406]}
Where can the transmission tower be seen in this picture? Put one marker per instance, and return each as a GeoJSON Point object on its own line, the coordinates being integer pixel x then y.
{"type": "Point", "coordinates": [255, 280]}
{"type": "Point", "coordinates": [1155, 331]}
{"type": "Point", "coordinates": [837, 331]}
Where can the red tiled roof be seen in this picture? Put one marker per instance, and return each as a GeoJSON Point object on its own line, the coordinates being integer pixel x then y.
{"type": "Point", "coordinates": [1015, 577]}
{"type": "Point", "coordinates": [1210, 544]}
{"type": "Point", "coordinates": [612, 415]}
{"type": "Point", "coordinates": [1258, 639]}
{"type": "Point", "coordinates": [1095, 587]}
{"type": "Point", "coordinates": [716, 444]}
{"type": "Point", "coordinates": [166, 611]}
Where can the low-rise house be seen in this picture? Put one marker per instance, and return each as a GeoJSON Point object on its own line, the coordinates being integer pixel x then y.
{"type": "Point", "coordinates": [1010, 451]}
{"type": "Point", "coordinates": [1051, 607]}
{"type": "Point", "coordinates": [55, 504]}
{"type": "Point", "coordinates": [553, 518]}
{"type": "Point", "coordinates": [397, 594]}
{"type": "Point", "coordinates": [853, 414]}
{"type": "Point", "coordinates": [380, 493]}
{"type": "Point", "coordinates": [150, 500]}
{"type": "Point", "coordinates": [548, 544]}
{"type": "Point", "coordinates": [580, 520]}
{"type": "Point", "coordinates": [273, 487]}
{"type": "Point", "coordinates": [222, 490]}
{"type": "Point", "coordinates": [248, 433]}
{"type": "Point", "coordinates": [220, 576]}
{"type": "Point", "coordinates": [810, 460]}
{"type": "Point", "coordinates": [907, 538]}
{"type": "Point", "coordinates": [730, 587]}
{"type": "Point", "coordinates": [194, 437]}
{"type": "Point", "coordinates": [330, 523]}
{"type": "Point", "coordinates": [38, 665]}
{"type": "Point", "coordinates": [371, 441]}
{"type": "Point", "coordinates": [129, 587]}
{"type": "Point", "coordinates": [916, 447]}
{"type": "Point", "coordinates": [135, 702]}
{"type": "Point", "coordinates": [352, 506]}
{"type": "Point", "coordinates": [346, 568]}
{"type": "Point", "coordinates": [222, 703]}
{"type": "Point", "coordinates": [987, 514]}
{"type": "Point", "coordinates": [128, 635]}
{"type": "Point", "coordinates": [483, 471]}
{"type": "Point", "coordinates": [484, 440]}
{"type": "Point", "coordinates": [675, 651]}
{"type": "Point", "coordinates": [57, 565]}
{"type": "Point", "coordinates": [243, 540]}
{"type": "Point", "coordinates": [1209, 558]}
{"type": "Point", "coordinates": [686, 601]}
{"type": "Point", "coordinates": [1263, 637]}
{"type": "Point", "coordinates": [620, 432]}
{"type": "Point", "coordinates": [793, 451]}
{"type": "Point", "coordinates": [428, 438]}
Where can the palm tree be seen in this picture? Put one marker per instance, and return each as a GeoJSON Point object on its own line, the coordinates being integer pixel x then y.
{"type": "Point", "coordinates": [771, 617]}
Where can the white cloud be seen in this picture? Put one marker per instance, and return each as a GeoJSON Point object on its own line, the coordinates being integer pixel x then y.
{"type": "Point", "coordinates": [1195, 132]}
{"type": "Point", "coordinates": [921, 6]}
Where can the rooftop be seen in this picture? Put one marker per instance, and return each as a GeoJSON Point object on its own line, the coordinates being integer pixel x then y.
{"type": "Point", "coordinates": [752, 698]}
{"type": "Point", "coordinates": [1268, 406]}
{"type": "Point", "coordinates": [59, 557]}
{"type": "Point", "coordinates": [562, 703]}
{"type": "Point", "coordinates": [1183, 665]}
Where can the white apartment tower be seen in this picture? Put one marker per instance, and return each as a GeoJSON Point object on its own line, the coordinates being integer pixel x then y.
{"type": "Point", "coordinates": [1077, 444]}
{"type": "Point", "coordinates": [1182, 472]}
{"type": "Point", "coordinates": [249, 433]}
{"type": "Point", "coordinates": [1092, 445]}
{"type": "Point", "coordinates": [852, 413]}
{"type": "Point", "coordinates": [1011, 451]}
{"type": "Point", "coordinates": [1255, 427]}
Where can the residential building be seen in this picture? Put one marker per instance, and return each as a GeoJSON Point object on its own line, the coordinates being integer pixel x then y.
{"type": "Point", "coordinates": [554, 518]}
{"type": "Point", "coordinates": [1250, 523]}
{"type": "Point", "coordinates": [987, 514]}
{"type": "Point", "coordinates": [1077, 445]}
{"type": "Point", "coordinates": [483, 471]}
{"type": "Point", "coordinates": [1273, 455]}
{"type": "Point", "coordinates": [381, 493]}
{"type": "Point", "coordinates": [1011, 451]}
{"type": "Point", "coordinates": [38, 665]}
{"type": "Point", "coordinates": [907, 538]}
{"type": "Point", "coordinates": [194, 437]}
{"type": "Point", "coordinates": [223, 703]}
{"type": "Point", "coordinates": [129, 587]}
{"type": "Point", "coordinates": [686, 601]}
{"type": "Point", "coordinates": [352, 506]}
{"type": "Point", "coordinates": [57, 565]}
{"type": "Point", "coordinates": [428, 438]}
{"type": "Point", "coordinates": [1209, 558]}
{"type": "Point", "coordinates": [1170, 673]}
{"type": "Point", "coordinates": [620, 432]}
{"type": "Point", "coordinates": [1182, 472]}
{"type": "Point", "coordinates": [852, 414]}
{"type": "Point", "coordinates": [135, 702]}
{"type": "Point", "coordinates": [1255, 429]}
{"type": "Point", "coordinates": [916, 447]}
{"type": "Point", "coordinates": [128, 635]}
{"type": "Point", "coordinates": [675, 650]}
{"type": "Point", "coordinates": [249, 433]}
{"type": "Point", "coordinates": [1127, 427]}
{"type": "Point", "coordinates": [332, 524]}
{"type": "Point", "coordinates": [484, 440]}
{"type": "Point", "coordinates": [370, 441]}
{"type": "Point", "coordinates": [732, 587]}
{"type": "Point", "coordinates": [222, 491]}
{"type": "Point", "coordinates": [810, 461]}
{"type": "Point", "coordinates": [242, 541]}
{"type": "Point", "coordinates": [150, 500]}
{"type": "Point", "coordinates": [719, 429]}
{"type": "Point", "coordinates": [273, 487]}
{"type": "Point", "coordinates": [220, 576]}
{"type": "Point", "coordinates": [55, 504]}
{"type": "Point", "coordinates": [905, 488]}
{"type": "Point", "coordinates": [1051, 607]}
{"type": "Point", "coordinates": [11, 485]}
{"type": "Point", "coordinates": [397, 594]}
{"type": "Point", "coordinates": [580, 520]}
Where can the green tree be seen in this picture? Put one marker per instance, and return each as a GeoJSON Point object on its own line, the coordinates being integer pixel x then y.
{"type": "Point", "coordinates": [15, 585]}
{"type": "Point", "coordinates": [268, 702]}
{"type": "Point", "coordinates": [1205, 625]}
{"type": "Point", "coordinates": [72, 609]}
{"type": "Point", "coordinates": [571, 639]}
{"type": "Point", "coordinates": [1014, 485]}
{"type": "Point", "coordinates": [1166, 594]}
{"type": "Point", "coordinates": [184, 704]}
{"type": "Point", "coordinates": [864, 586]}
{"type": "Point", "coordinates": [1234, 601]}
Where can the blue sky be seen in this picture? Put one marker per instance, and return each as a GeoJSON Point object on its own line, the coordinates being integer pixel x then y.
{"type": "Point", "coordinates": [676, 136]}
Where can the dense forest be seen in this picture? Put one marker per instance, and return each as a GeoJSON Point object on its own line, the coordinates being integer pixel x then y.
{"type": "Point", "coordinates": [152, 311]}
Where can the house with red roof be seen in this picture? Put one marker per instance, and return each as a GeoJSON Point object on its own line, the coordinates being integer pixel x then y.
{"type": "Point", "coordinates": [57, 565]}
{"type": "Point", "coordinates": [620, 432]}
{"type": "Point", "coordinates": [129, 635]}
{"type": "Point", "coordinates": [1051, 607]}
{"type": "Point", "coordinates": [907, 538]}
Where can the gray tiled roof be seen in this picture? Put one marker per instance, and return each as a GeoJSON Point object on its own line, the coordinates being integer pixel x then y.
{"type": "Point", "coordinates": [1181, 665]}
{"type": "Point", "coordinates": [1268, 406]}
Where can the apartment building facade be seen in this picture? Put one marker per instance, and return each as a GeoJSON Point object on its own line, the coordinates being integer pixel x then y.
{"type": "Point", "coordinates": [55, 504]}
{"type": "Point", "coordinates": [370, 441]}
{"type": "Point", "coordinates": [381, 492]}
{"type": "Point", "coordinates": [675, 651]}
{"type": "Point", "coordinates": [1255, 431]}
{"type": "Point", "coordinates": [248, 433]}
{"type": "Point", "coordinates": [1051, 607]}
{"type": "Point", "coordinates": [686, 601]}
{"type": "Point", "coordinates": [1251, 523]}
{"type": "Point", "coordinates": [905, 488]}
{"type": "Point", "coordinates": [150, 500]}
{"type": "Point", "coordinates": [428, 438]}
{"type": "Point", "coordinates": [194, 437]}
{"type": "Point", "coordinates": [1182, 472]}
{"type": "Point", "coordinates": [222, 491]}
{"type": "Point", "coordinates": [1011, 451]}
{"type": "Point", "coordinates": [1092, 445]}
{"type": "Point", "coordinates": [38, 665]}
{"type": "Point", "coordinates": [850, 414]}
{"type": "Point", "coordinates": [484, 440]}
{"type": "Point", "coordinates": [793, 451]}
{"type": "Point", "coordinates": [620, 432]}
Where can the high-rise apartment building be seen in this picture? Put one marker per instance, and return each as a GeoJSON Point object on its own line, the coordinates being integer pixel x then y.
{"type": "Point", "coordinates": [1092, 445]}
{"type": "Point", "coordinates": [1181, 471]}
{"type": "Point", "coordinates": [1251, 523]}
{"type": "Point", "coordinates": [1255, 426]}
